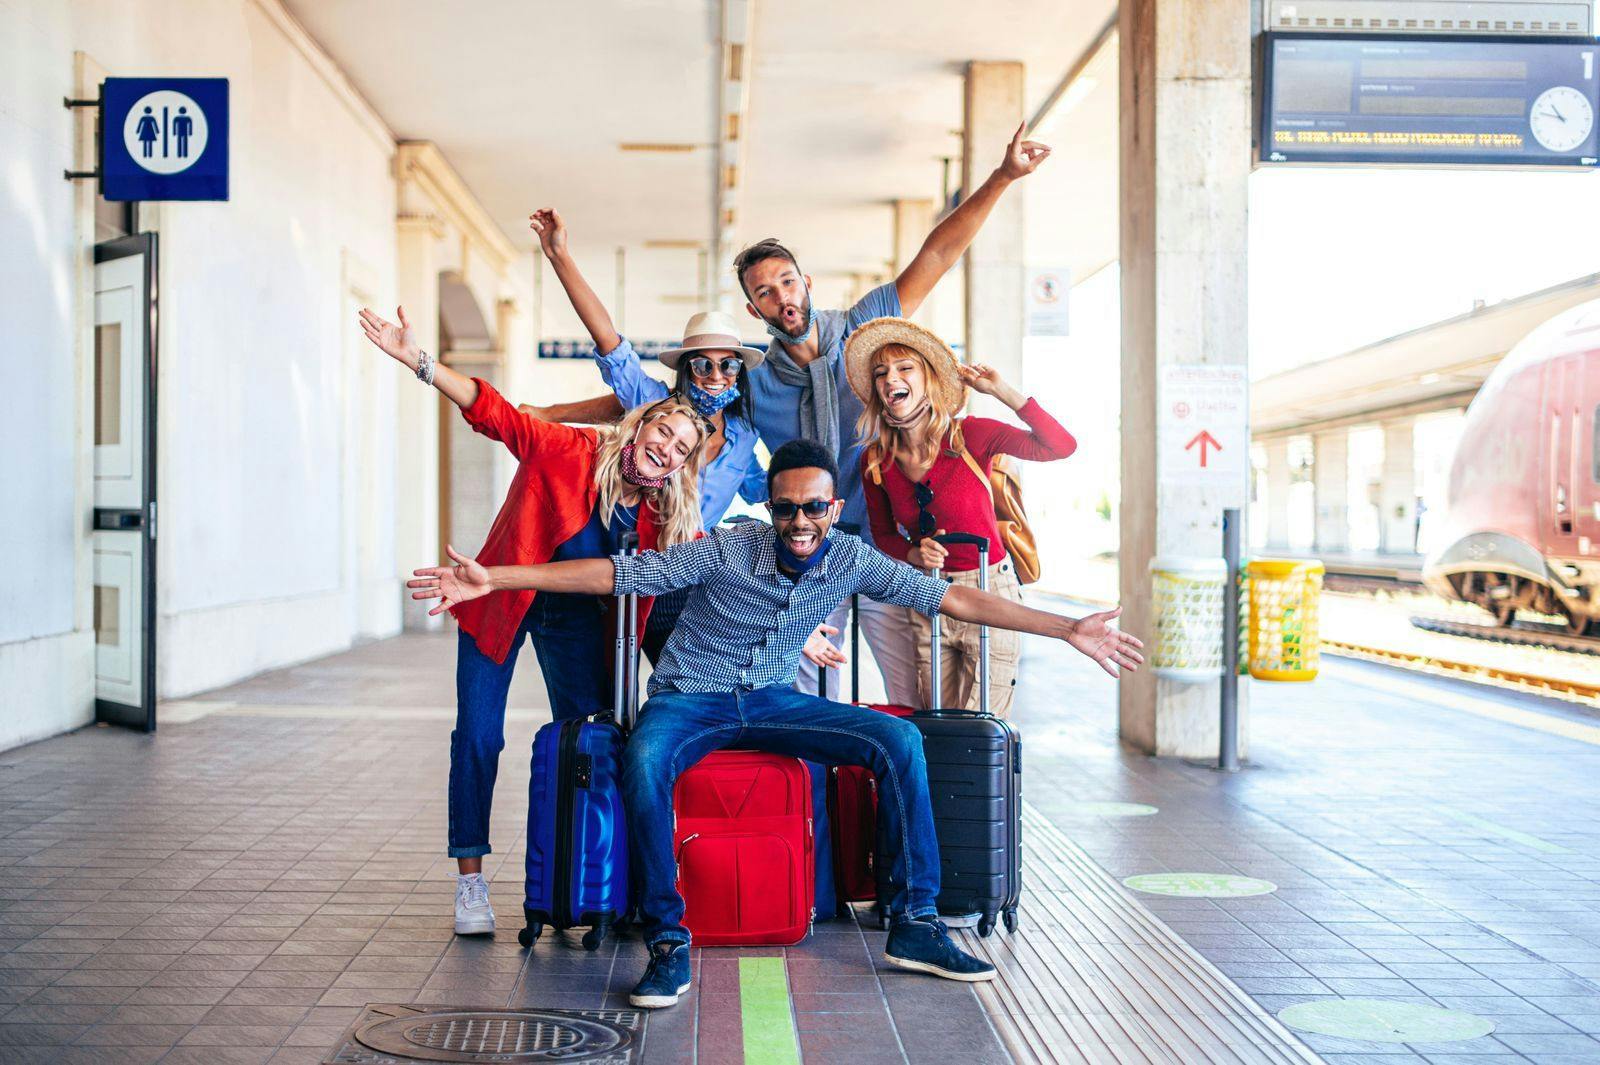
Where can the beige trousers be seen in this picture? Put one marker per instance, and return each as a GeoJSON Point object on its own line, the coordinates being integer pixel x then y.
{"type": "Point", "coordinates": [959, 647]}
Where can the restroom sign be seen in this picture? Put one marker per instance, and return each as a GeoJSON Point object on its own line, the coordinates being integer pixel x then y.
{"type": "Point", "coordinates": [164, 139]}
{"type": "Point", "coordinates": [1203, 429]}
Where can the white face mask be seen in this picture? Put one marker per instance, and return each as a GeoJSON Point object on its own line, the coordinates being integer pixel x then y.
{"type": "Point", "coordinates": [799, 338]}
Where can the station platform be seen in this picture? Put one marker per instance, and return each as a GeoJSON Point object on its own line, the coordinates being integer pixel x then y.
{"type": "Point", "coordinates": [1420, 887]}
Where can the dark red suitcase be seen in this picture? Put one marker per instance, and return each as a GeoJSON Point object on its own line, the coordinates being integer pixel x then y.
{"type": "Point", "coordinates": [745, 849]}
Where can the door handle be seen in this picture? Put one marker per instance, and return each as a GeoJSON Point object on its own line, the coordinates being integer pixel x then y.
{"type": "Point", "coordinates": [118, 519]}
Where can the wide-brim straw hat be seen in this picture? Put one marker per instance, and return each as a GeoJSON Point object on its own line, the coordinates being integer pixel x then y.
{"type": "Point", "coordinates": [712, 331]}
{"type": "Point", "coordinates": [946, 388]}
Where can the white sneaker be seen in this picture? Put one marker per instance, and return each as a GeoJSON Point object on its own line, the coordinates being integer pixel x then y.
{"type": "Point", "coordinates": [474, 915]}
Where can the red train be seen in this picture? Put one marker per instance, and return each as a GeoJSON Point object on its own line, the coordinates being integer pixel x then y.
{"type": "Point", "coordinates": [1522, 522]}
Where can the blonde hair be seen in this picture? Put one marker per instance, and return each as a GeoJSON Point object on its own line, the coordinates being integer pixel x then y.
{"type": "Point", "coordinates": [677, 503]}
{"type": "Point", "coordinates": [883, 442]}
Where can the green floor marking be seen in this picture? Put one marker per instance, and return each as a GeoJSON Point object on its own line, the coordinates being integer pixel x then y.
{"type": "Point", "coordinates": [1377, 1020]}
{"type": "Point", "coordinates": [769, 1035]}
{"type": "Point", "coordinates": [1503, 832]}
{"type": "Point", "coordinates": [1200, 885]}
{"type": "Point", "coordinates": [1115, 809]}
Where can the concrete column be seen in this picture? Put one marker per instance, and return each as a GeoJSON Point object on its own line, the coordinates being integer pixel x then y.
{"type": "Point", "coordinates": [1397, 501]}
{"type": "Point", "coordinates": [1185, 161]}
{"type": "Point", "coordinates": [1280, 478]}
{"type": "Point", "coordinates": [1330, 477]}
{"type": "Point", "coordinates": [995, 269]}
{"type": "Point", "coordinates": [913, 221]}
{"type": "Point", "coordinates": [417, 488]}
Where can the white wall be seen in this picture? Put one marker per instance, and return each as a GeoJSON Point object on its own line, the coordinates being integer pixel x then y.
{"type": "Point", "coordinates": [263, 559]}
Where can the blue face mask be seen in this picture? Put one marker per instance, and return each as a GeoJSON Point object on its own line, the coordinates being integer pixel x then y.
{"type": "Point", "coordinates": [805, 331]}
{"type": "Point", "coordinates": [706, 403]}
{"type": "Point", "coordinates": [788, 560]}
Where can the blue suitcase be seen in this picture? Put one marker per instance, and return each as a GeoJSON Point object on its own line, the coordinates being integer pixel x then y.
{"type": "Point", "coordinates": [577, 868]}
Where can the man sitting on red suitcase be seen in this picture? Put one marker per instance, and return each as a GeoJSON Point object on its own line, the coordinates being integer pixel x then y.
{"type": "Point", "coordinates": [724, 680]}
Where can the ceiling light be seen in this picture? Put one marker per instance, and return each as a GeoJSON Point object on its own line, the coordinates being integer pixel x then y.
{"type": "Point", "coordinates": [664, 147]}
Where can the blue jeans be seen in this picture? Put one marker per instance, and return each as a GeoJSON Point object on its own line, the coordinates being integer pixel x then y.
{"type": "Point", "coordinates": [676, 730]}
{"type": "Point", "coordinates": [568, 634]}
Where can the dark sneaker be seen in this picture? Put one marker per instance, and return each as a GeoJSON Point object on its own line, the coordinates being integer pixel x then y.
{"type": "Point", "coordinates": [924, 945]}
{"type": "Point", "coordinates": [665, 979]}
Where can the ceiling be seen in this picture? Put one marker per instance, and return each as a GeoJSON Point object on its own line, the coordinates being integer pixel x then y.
{"type": "Point", "coordinates": [849, 108]}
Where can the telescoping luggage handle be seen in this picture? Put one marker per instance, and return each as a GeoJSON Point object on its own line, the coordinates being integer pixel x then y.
{"type": "Point", "coordinates": [935, 670]}
{"type": "Point", "coordinates": [625, 665]}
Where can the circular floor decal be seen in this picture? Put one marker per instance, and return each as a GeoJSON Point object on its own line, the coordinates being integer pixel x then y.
{"type": "Point", "coordinates": [1115, 809]}
{"type": "Point", "coordinates": [1377, 1020]}
{"type": "Point", "coordinates": [1200, 885]}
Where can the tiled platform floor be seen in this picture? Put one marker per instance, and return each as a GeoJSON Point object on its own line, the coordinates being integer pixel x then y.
{"type": "Point", "coordinates": [232, 889]}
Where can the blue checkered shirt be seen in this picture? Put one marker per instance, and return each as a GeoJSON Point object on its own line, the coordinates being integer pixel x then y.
{"type": "Point", "coordinates": [746, 622]}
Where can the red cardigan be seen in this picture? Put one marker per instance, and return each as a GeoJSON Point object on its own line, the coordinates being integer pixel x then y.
{"type": "Point", "coordinates": [551, 498]}
{"type": "Point", "coordinates": [961, 502]}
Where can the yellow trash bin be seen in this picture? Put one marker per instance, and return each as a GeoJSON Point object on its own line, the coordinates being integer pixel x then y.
{"type": "Point", "coordinates": [1284, 640]}
{"type": "Point", "coordinates": [1187, 600]}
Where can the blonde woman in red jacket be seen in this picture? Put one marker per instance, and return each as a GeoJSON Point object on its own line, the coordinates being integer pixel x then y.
{"type": "Point", "coordinates": [576, 492]}
{"type": "Point", "coordinates": [917, 470]}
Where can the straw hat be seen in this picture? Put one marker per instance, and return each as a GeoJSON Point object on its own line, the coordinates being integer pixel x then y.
{"type": "Point", "coordinates": [712, 331]}
{"type": "Point", "coordinates": [946, 388]}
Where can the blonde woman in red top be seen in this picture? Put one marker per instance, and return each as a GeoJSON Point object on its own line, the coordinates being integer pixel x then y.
{"type": "Point", "coordinates": [918, 484]}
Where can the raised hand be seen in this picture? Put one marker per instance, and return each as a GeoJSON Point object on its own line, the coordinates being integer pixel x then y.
{"type": "Point", "coordinates": [824, 654]}
{"type": "Point", "coordinates": [451, 585]}
{"type": "Point", "coordinates": [546, 222]}
{"type": "Point", "coordinates": [1111, 649]}
{"type": "Point", "coordinates": [1023, 157]}
{"type": "Point", "coordinates": [396, 341]}
{"type": "Point", "coordinates": [986, 379]}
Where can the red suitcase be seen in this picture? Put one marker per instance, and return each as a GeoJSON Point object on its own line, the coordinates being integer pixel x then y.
{"type": "Point", "coordinates": [745, 849]}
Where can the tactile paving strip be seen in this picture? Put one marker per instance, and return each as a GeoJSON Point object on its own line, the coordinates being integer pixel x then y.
{"type": "Point", "coordinates": [1093, 976]}
{"type": "Point", "coordinates": [400, 1034]}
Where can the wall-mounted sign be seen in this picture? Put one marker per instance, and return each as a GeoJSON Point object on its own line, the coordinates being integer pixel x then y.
{"type": "Point", "coordinates": [1048, 289]}
{"type": "Point", "coordinates": [164, 139]}
{"type": "Point", "coordinates": [1204, 436]}
{"type": "Point", "coordinates": [1475, 101]}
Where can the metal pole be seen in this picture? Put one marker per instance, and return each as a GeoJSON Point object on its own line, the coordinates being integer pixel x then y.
{"type": "Point", "coordinates": [1228, 757]}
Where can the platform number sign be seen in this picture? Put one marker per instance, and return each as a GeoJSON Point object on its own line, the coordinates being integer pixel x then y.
{"type": "Point", "coordinates": [164, 139]}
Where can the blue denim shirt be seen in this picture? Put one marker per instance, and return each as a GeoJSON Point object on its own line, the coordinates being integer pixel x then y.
{"type": "Point", "coordinates": [735, 470]}
{"type": "Point", "coordinates": [745, 622]}
{"type": "Point", "coordinates": [777, 405]}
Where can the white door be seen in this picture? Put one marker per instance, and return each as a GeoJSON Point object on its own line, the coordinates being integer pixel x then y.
{"type": "Point", "coordinates": [124, 507]}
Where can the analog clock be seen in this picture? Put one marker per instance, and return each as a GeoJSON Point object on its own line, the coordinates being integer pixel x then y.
{"type": "Point", "coordinates": [1562, 119]}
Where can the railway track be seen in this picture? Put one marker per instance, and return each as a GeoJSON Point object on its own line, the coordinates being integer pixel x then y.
{"type": "Point", "coordinates": [1576, 691]}
{"type": "Point", "coordinates": [1523, 633]}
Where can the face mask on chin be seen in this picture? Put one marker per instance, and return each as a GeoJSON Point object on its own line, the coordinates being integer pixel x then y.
{"type": "Point", "coordinates": [777, 333]}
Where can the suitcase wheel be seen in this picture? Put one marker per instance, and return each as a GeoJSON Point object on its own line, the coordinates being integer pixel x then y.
{"type": "Point", "coordinates": [1011, 920]}
{"type": "Point", "coordinates": [526, 936]}
{"type": "Point", "coordinates": [986, 925]}
{"type": "Point", "coordinates": [594, 937]}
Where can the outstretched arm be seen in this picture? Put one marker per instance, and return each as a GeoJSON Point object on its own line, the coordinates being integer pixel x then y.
{"type": "Point", "coordinates": [546, 222]}
{"type": "Point", "coordinates": [466, 579]}
{"type": "Point", "coordinates": [400, 344]}
{"type": "Point", "coordinates": [1111, 649]}
{"type": "Point", "coordinates": [950, 238]}
{"type": "Point", "coordinates": [601, 410]}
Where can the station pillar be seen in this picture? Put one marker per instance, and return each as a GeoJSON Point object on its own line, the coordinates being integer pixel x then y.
{"type": "Point", "coordinates": [1397, 502]}
{"type": "Point", "coordinates": [1185, 162]}
{"type": "Point", "coordinates": [995, 270]}
{"type": "Point", "coordinates": [417, 488]}
{"type": "Point", "coordinates": [1280, 480]}
{"type": "Point", "coordinates": [913, 220]}
{"type": "Point", "coordinates": [1330, 477]}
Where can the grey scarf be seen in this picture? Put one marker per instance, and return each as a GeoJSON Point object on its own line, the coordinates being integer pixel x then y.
{"type": "Point", "coordinates": [819, 387]}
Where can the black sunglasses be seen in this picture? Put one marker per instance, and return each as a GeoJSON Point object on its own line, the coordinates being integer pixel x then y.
{"type": "Point", "coordinates": [927, 524]}
{"type": "Point", "coordinates": [700, 366]}
{"type": "Point", "coordinates": [814, 508]}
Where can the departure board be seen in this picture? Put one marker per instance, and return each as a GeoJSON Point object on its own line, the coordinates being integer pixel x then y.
{"type": "Point", "coordinates": [1405, 100]}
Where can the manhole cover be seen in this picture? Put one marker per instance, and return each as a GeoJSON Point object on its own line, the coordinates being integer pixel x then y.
{"type": "Point", "coordinates": [392, 1034]}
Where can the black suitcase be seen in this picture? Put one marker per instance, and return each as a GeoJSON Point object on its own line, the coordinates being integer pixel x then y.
{"type": "Point", "coordinates": [975, 784]}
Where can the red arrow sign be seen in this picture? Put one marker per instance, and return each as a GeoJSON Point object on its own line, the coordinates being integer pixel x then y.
{"type": "Point", "coordinates": [1204, 439]}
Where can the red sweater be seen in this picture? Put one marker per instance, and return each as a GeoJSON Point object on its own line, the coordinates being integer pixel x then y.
{"type": "Point", "coordinates": [551, 498]}
{"type": "Point", "coordinates": [961, 502]}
